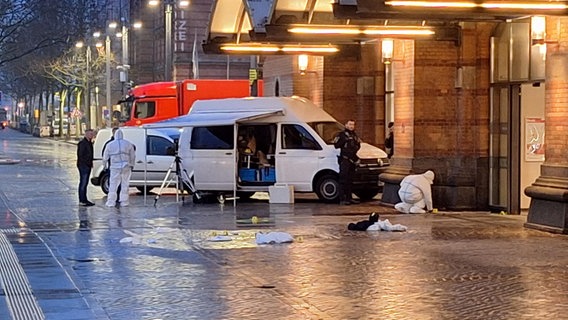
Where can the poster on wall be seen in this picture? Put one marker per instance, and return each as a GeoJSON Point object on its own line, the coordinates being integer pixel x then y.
{"type": "Point", "coordinates": [534, 139]}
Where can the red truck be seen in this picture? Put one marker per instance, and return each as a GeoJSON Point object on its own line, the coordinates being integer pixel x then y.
{"type": "Point", "coordinates": [158, 101]}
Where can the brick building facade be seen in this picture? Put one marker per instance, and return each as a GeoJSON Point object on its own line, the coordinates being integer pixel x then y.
{"type": "Point", "coordinates": [443, 103]}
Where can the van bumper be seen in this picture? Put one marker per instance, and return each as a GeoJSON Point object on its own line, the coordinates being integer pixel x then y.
{"type": "Point", "coordinates": [367, 176]}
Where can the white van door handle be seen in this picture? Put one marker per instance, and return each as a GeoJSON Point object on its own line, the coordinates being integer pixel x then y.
{"type": "Point", "coordinates": [150, 162]}
{"type": "Point", "coordinates": [228, 153]}
{"type": "Point", "coordinates": [139, 161]}
{"type": "Point", "coordinates": [281, 152]}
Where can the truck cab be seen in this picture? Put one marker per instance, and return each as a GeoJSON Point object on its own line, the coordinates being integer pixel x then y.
{"type": "Point", "coordinates": [159, 101]}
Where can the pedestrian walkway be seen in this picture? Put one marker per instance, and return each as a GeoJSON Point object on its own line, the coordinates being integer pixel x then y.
{"type": "Point", "coordinates": [454, 265]}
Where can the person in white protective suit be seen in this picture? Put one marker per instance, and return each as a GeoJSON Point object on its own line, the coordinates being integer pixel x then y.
{"type": "Point", "coordinates": [122, 155]}
{"type": "Point", "coordinates": [416, 193]}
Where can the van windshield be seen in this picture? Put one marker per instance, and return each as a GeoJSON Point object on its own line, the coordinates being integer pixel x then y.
{"type": "Point", "coordinates": [327, 130]}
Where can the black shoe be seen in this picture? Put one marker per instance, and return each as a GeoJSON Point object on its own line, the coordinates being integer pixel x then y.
{"type": "Point", "coordinates": [86, 204]}
{"type": "Point", "coordinates": [354, 201]}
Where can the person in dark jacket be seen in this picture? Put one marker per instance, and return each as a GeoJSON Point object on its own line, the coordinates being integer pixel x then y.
{"type": "Point", "coordinates": [389, 141]}
{"type": "Point", "coordinates": [85, 164]}
{"type": "Point", "coordinates": [349, 143]}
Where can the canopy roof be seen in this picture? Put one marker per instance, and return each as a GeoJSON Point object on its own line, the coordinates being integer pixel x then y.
{"type": "Point", "coordinates": [270, 21]}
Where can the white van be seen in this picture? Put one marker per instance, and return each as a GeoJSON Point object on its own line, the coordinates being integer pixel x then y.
{"type": "Point", "coordinates": [294, 138]}
{"type": "Point", "coordinates": [154, 151]}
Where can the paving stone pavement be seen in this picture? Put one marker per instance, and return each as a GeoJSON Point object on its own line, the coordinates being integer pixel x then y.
{"type": "Point", "coordinates": [146, 262]}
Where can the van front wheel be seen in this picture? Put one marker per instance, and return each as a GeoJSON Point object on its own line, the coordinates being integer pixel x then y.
{"type": "Point", "coordinates": [105, 183]}
{"type": "Point", "coordinates": [327, 188]}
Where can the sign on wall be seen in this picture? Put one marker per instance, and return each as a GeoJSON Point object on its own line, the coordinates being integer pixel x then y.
{"type": "Point", "coordinates": [534, 139]}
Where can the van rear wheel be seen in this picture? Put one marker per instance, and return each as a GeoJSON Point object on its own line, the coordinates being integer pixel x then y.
{"type": "Point", "coordinates": [327, 188]}
{"type": "Point", "coordinates": [105, 183]}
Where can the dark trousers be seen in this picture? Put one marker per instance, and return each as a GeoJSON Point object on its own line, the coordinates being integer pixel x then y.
{"type": "Point", "coordinates": [346, 172]}
{"type": "Point", "coordinates": [84, 174]}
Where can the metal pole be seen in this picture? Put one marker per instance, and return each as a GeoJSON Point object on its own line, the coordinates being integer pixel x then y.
{"type": "Point", "coordinates": [124, 45]}
{"type": "Point", "coordinates": [125, 52]}
{"type": "Point", "coordinates": [92, 122]}
{"type": "Point", "coordinates": [168, 51]}
{"type": "Point", "coordinates": [254, 81]}
{"type": "Point", "coordinates": [107, 58]}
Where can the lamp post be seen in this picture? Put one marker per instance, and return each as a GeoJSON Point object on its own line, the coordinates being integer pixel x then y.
{"type": "Point", "coordinates": [125, 67]}
{"type": "Point", "coordinates": [168, 40]}
{"type": "Point", "coordinates": [91, 118]}
{"type": "Point", "coordinates": [107, 73]}
{"type": "Point", "coordinates": [111, 26]}
{"type": "Point", "coordinates": [168, 26]}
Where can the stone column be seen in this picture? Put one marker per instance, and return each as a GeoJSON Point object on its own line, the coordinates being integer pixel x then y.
{"type": "Point", "coordinates": [549, 193]}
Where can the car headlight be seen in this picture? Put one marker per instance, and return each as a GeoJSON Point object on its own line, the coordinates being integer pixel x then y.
{"type": "Point", "coordinates": [383, 162]}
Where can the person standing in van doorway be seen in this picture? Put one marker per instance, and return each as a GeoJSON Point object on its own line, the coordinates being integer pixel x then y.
{"type": "Point", "coordinates": [122, 156]}
{"type": "Point", "coordinates": [349, 143]}
{"type": "Point", "coordinates": [85, 164]}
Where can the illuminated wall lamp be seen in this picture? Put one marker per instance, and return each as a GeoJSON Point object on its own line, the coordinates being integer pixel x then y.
{"type": "Point", "coordinates": [387, 48]}
{"type": "Point", "coordinates": [538, 30]}
{"type": "Point", "coordinates": [303, 64]}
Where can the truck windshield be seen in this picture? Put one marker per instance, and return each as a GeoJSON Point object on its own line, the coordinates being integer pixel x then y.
{"type": "Point", "coordinates": [327, 130]}
{"type": "Point", "coordinates": [126, 107]}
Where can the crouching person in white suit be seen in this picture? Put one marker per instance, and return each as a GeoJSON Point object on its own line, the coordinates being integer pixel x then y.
{"type": "Point", "coordinates": [416, 193]}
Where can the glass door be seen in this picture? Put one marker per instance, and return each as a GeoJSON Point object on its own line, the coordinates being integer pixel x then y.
{"type": "Point", "coordinates": [504, 149]}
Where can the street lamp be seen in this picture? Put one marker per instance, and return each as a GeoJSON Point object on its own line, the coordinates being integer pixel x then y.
{"type": "Point", "coordinates": [125, 67]}
{"type": "Point", "coordinates": [168, 9]}
{"type": "Point", "coordinates": [89, 110]}
{"type": "Point", "coordinates": [111, 26]}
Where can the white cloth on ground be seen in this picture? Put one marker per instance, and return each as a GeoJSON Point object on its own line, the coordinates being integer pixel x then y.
{"type": "Point", "coordinates": [273, 237]}
{"type": "Point", "coordinates": [386, 225]}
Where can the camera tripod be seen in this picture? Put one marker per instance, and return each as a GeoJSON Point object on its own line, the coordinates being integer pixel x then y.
{"type": "Point", "coordinates": [182, 180]}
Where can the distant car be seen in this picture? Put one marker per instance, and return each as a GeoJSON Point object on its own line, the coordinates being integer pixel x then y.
{"type": "Point", "coordinates": [24, 126]}
{"type": "Point", "coordinates": [154, 155]}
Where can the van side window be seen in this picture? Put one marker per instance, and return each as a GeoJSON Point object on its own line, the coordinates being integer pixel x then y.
{"type": "Point", "coordinates": [158, 146]}
{"type": "Point", "coordinates": [145, 109]}
{"type": "Point", "coordinates": [297, 137]}
{"type": "Point", "coordinates": [219, 137]}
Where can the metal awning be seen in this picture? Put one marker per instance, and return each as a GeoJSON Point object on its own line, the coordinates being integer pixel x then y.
{"type": "Point", "coordinates": [269, 21]}
{"type": "Point", "coordinates": [212, 119]}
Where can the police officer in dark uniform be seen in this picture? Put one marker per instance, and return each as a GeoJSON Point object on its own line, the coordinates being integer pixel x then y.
{"type": "Point", "coordinates": [349, 143]}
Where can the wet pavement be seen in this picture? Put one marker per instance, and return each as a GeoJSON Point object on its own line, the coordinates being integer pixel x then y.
{"type": "Point", "coordinates": [62, 261]}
